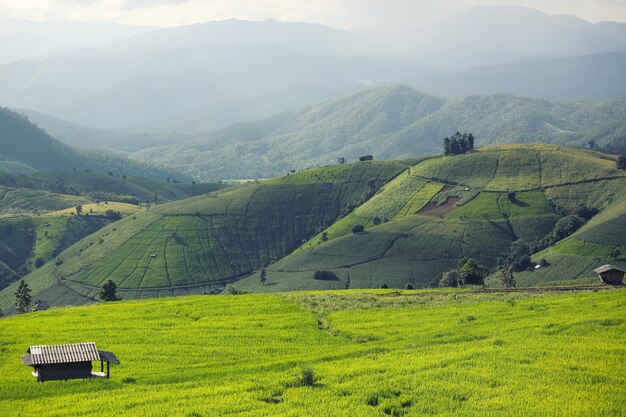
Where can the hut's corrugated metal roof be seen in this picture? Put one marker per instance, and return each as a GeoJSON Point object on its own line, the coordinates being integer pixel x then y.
{"type": "Point", "coordinates": [606, 268]}
{"type": "Point", "coordinates": [77, 352]}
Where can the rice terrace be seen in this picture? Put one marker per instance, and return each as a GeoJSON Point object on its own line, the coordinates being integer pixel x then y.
{"type": "Point", "coordinates": [326, 209]}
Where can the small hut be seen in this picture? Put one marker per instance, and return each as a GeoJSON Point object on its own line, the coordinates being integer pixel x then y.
{"type": "Point", "coordinates": [610, 274]}
{"type": "Point", "coordinates": [62, 362]}
{"type": "Point", "coordinates": [40, 305]}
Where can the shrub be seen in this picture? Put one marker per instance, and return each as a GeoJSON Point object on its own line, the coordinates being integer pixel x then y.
{"type": "Point", "coordinates": [449, 279]}
{"type": "Point", "coordinates": [39, 262]}
{"type": "Point", "coordinates": [307, 377]}
{"type": "Point", "coordinates": [384, 286]}
{"type": "Point", "coordinates": [325, 276]}
{"type": "Point", "coordinates": [409, 286]}
{"type": "Point", "coordinates": [376, 221]}
{"type": "Point", "coordinates": [232, 290]}
{"type": "Point", "coordinates": [359, 228]}
{"type": "Point", "coordinates": [543, 263]}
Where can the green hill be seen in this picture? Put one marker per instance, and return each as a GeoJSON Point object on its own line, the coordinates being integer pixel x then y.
{"type": "Point", "coordinates": [389, 122]}
{"type": "Point", "coordinates": [24, 148]}
{"type": "Point", "coordinates": [452, 354]}
{"type": "Point", "coordinates": [200, 244]}
{"type": "Point", "coordinates": [19, 200]}
{"type": "Point", "coordinates": [123, 188]}
{"type": "Point", "coordinates": [419, 217]}
{"type": "Point", "coordinates": [28, 241]}
{"type": "Point", "coordinates": [449, 207]}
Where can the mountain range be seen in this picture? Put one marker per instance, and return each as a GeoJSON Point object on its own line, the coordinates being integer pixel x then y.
{"type": "Point", "coordinates": [203, 77]}
{"type": "Point", "coordinates": [387, 122]}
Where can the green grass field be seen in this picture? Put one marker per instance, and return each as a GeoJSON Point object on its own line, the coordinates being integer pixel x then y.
{"type": "Point", "coordinates": [453, 354]}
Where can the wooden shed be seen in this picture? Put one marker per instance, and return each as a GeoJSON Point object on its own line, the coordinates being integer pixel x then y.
{"type": "Point", "coordinates": [610, 274]}
{"type": "Point", "coordinates": [62, 362]}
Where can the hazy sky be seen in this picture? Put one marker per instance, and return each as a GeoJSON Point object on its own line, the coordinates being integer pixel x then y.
{"type": "Point", "coordinates": [348, 14]}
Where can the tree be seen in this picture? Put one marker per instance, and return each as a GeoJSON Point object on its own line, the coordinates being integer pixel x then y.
{"type": "Point", "coordinates": [359, 228]}
{"type": "Point", "coordinates": [263, 276]}
{"type": "Point", "coordinates": [592, 145]}
{"type": "Point", "coordinates": [409, 286]}
{"type": "Point", "coordinates": [342, 160]}
{"type": "Point", "coordinates": [455, 149]}
{"type": "Point", "coordinates": [22, 297]}
{"type": "Point", "coordinates": [621, 162]}
{"type": "Point", "coordinates": [155, 198]}
{"type": "Point", "coordinates": [324, 237]}
{"type": "Point", "coordinates": [449, 279]}
{"type": "Point", "coordinates": [79, 210]}
{"type": "Point", "coordinates": [506, 276]}
{"type": "Point", "coordinates": [113, 215]}
{"type": "Point", "coordinates": [108, 291]}
{"type": "Point", "coordinates": [471, 273]}
{"type": "Point", "coordinates": [470, 141]}
{"type": "Point", "coordinates": [511, 196]}
{"type": "Point", "coordinates": [376, 220]}
{"type": "Point", "coordinates": [446, 146]}
{"type": "Point", "coordinates": [366, 158]}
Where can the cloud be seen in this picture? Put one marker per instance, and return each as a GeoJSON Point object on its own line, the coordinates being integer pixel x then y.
{"type": "Point", "coordinates": [349, 14]}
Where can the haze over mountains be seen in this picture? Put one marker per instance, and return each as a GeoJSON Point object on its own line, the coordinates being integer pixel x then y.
{"type": "Point", "coordinates": [204, 77]}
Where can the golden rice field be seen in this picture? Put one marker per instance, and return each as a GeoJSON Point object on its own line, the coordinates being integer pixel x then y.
{"type": "Point", "coordinates": [436, 353]}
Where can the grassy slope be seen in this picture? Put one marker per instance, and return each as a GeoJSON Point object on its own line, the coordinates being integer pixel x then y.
{"type": "Point", "coordinates": [198, 244]}
{"type": "Point", "coordinates": [142, 189]}
{"type": "Point", "coordinates": [457, 355]}
{"type": "Point", "coordinates": [17, 200]}
{"type": "Point", "coordinates": [25, 238]}
{"type": "Point", "coordinates": [576, 257]}
{"type": "Point", "coordinates": [417, 248]}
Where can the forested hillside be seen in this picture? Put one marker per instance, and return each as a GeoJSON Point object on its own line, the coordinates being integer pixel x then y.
{"type": "Point", "coordinates": [27, 148]}
{"type": "Point", "coordinates": [389, 122]}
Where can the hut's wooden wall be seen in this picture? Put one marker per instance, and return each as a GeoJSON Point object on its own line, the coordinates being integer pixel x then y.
{"type": "Point", "coordinates": [57, 371]}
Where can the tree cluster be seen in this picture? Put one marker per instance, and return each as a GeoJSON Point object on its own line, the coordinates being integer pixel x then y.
{"type": "Point", "coordinates": [366, 158]}
{"type": "Point", "coordinates": [467, 272]}
{"type": "Point", "coordinates": [458, 144]}
{"type": "Point", "coordinates": [108, 292]}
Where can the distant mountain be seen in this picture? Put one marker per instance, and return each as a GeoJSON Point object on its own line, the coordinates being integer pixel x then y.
{"type": "Point", "coordinates": [22, 39]}
{"type": "Point", "coordinates": [303, 37]}
{"type": "Point", "coordinates": [188, 89]}
{"type": "Point", "coordinates": [596, 76]}
{"type": "Point", "coordinates": [87, 137]}
{"type": "Point", "coordinates": [388, 122]}
{"type": "Point", "coordinates": [28, 147]}
{"type": "Point", "coordinates": [490, 35]}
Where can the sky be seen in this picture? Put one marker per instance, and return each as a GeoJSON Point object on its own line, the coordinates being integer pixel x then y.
{"type": "Point", "coordinates": [346, 14]}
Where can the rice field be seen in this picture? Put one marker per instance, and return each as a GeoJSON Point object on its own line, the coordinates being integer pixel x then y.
{"type": "Point", "coordinates": [436, 353]}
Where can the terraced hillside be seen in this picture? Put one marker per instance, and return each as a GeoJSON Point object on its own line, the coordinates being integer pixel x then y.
{"type": "Point", "coordinates": [443, 209]}
{"type": "Point", "coordinates": [601, 241]}
{"type": "Point", "coordinates": [28, 241]}
{"type": "Point", "coordinates": [452, 354]}
{"type": "Point", "coordinates": [419, 219]}
{"type": "Point", "coordinates": [200, 244]}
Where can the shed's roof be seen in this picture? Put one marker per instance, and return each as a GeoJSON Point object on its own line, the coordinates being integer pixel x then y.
{"type": "Point", "coordinates": [606, 268]}
{"type": "Point", "coordinates": [77, 352]}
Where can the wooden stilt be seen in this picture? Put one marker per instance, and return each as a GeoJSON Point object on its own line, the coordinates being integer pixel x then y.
{"type": "Point", "coordinates": [108, 365]}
